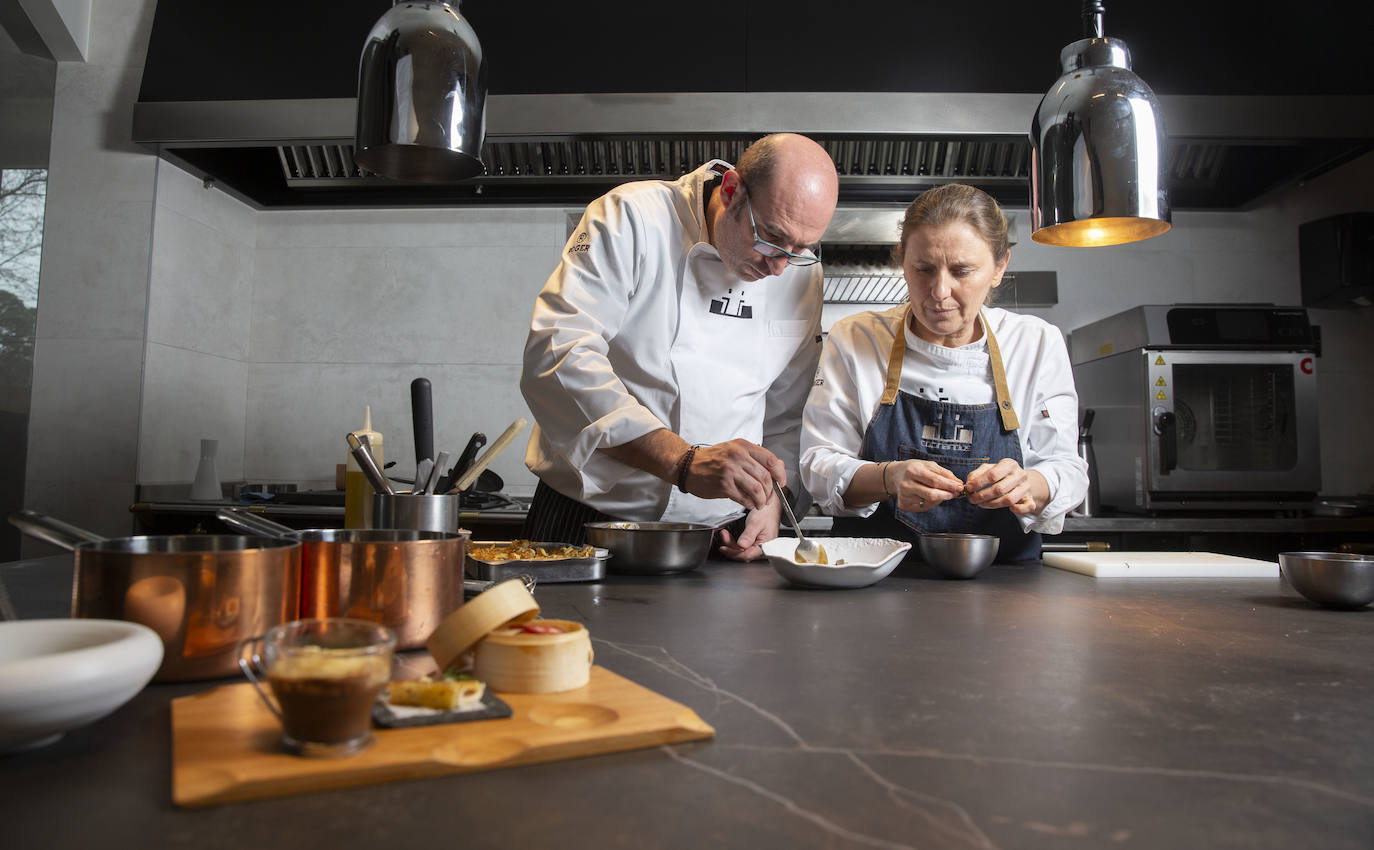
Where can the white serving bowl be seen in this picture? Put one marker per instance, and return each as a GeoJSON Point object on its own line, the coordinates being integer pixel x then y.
{"type": "Point", "coordinates": [867, 560]}
{"type": "Point", "coordinates": [57, 675]}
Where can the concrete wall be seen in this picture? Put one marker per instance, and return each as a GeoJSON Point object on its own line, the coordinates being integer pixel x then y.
{"type": "Point", "coordinates": [200, 296]}
{"type": "Point", "coordinates": [350, 306]}
{"type": "Point", "coordinates": [93, 296]}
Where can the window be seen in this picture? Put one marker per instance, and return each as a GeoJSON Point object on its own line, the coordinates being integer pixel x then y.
{"type": "Point", "coordinates": [23, 193]}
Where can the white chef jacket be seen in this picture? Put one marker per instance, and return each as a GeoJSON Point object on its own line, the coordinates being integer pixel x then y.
{"type": "Point", "coordinates": [852, 376]}
{"type": "Point", "coordinates": [641, 327]}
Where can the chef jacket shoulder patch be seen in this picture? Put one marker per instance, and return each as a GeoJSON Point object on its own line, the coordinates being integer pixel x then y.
{"type": "Point", "coordinates": [581, 243]}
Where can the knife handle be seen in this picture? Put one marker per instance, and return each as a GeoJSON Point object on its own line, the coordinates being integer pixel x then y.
{"type": "Point", "coordinates": [461, 465]}
{"type": "Point", "coordinates": [422, 415]}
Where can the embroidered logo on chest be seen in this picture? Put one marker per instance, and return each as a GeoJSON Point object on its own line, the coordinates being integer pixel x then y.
{"type": "Point", "coordinates": [732, 305]}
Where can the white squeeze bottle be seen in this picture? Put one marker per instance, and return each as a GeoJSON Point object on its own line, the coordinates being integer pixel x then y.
{"type": "Point", "coordinates": [357, 490]}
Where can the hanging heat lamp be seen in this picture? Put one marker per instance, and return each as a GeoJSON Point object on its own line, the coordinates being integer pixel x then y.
{"type": "Point", "coordinates": [1097, 148]}
{"type": "Point", "coordinates": [422, 90]}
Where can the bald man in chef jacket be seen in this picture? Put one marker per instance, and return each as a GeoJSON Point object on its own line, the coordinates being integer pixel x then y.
{"type": "Point", "coordinates": [671, 352]}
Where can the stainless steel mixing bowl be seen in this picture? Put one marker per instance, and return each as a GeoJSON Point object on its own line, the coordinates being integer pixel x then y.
{"type": "Point", "coordinates": [956, 555]}
{"type": "Point", "coordinates": [1332, 579]}
{"type": "Point", "coordinates": [652, 548]}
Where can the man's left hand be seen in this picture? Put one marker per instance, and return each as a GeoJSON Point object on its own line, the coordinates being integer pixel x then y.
{"type": "Point", "coordinates": [759, 527]}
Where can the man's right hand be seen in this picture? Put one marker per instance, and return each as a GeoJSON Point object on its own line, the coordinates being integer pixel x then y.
{"type": "Point", "coordinates": [738, 470]}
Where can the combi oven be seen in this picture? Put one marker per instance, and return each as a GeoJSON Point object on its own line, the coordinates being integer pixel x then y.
{"type": "Point", "coordinates": [1202, 406]}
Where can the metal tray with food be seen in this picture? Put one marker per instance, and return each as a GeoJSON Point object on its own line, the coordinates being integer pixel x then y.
{"type": "Point", "coordinates": [545, 562]}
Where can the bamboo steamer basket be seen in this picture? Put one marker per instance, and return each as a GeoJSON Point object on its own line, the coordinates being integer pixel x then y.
{"type": "Point", "coordinates": [520, 662]}
{"type": "Point", "coordinates": [507, 660]}
{"type": "Point", "coordinates": [506, 603]}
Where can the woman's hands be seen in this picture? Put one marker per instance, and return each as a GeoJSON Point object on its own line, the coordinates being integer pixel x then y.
{"type": "Point", "coordinates": [1006, 485]}
{"type": "Point", "coordinates": [922, 484]}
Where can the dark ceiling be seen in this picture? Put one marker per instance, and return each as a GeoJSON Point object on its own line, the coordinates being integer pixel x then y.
{"type": "Point", "coordinates": [273, 51]}
{"type": "Point", "coordinates": [306, 50]}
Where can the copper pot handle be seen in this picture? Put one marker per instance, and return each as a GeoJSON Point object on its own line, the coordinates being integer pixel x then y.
{"type": "Point", "coordinates": [52, 530]}
{"type": "Point", "coordinates": [251, 665]}
{"type": "Point", "coordinates": [251, 523]}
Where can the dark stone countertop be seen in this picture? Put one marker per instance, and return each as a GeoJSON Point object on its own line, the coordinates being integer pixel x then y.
{"type": "Point", "coordinates": [1026, 708]}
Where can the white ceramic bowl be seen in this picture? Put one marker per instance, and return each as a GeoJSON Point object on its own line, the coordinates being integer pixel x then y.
{"type": "Point", "coordinates": [867, 560]}
{"type": "Point", "coordinates": [56, 675]}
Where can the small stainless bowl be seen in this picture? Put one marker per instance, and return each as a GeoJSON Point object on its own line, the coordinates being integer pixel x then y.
{"type": "Point", "coordinates": [652, 548]}
{"type": "Point", "coordinates": [1332, 579]}
{"type": "Point", "coordinates": [958, 555]}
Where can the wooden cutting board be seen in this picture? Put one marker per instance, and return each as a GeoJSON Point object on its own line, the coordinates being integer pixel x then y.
{"type": "Point", "coordinates": [225, 741]}
{"type": "Point", "coordinates": [1160, 565]}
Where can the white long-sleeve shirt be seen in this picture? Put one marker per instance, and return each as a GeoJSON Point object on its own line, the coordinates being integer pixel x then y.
{"type": "Point", "coordinates": [641, 327]}
{"type": "Point", "coordinates": [852, 374]}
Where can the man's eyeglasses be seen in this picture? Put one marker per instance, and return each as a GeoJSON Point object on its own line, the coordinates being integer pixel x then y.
{"type": "Point", "coordinates": [806, 257]}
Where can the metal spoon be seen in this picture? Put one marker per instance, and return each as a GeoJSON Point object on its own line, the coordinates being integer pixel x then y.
{"type": "Point", "coordinates": [368, 465]}
{"type": "Point", "coordinates": [808, 551]}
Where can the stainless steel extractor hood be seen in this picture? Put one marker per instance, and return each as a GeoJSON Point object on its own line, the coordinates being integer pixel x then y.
{"type": "Point", "coordinates": [1223, 152]}
{"type": "Point", "coordinates": [261, 100]}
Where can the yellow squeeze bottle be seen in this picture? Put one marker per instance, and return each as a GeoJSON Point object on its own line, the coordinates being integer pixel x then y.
{"type": "Point", "coordinates": [357, 490]}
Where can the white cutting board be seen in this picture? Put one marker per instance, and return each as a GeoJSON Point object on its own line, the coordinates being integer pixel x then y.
{"type": "Point", "coordinates": [1160, 565]}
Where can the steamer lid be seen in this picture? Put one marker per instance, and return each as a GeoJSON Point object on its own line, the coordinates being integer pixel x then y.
{"type": "Point", "coordinates": [507, 602]}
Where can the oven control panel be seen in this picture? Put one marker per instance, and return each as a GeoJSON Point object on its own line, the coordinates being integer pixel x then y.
{"type": "Point", "coordinates": [1239, 327]}
{"type": "Point", "coordinates": [1196, 327]}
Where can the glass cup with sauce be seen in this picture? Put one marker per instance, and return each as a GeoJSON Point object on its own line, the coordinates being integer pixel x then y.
{"type": "Point", "coordinates": [324, 676]}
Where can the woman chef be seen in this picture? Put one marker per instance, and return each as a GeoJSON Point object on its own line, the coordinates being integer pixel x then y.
{"type": "Point", "coordinates": [943, 414]}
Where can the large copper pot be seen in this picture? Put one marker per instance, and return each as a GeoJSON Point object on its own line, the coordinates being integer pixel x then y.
{"type": "Point", "coordinates": [404, 579]}
{"type": "Point", "coordinates": [201, 593]}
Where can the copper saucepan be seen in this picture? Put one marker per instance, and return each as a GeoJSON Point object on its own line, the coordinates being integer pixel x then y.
{"type": "Point", "coordinates": [202, 593]}
{"type": "Point", "coordinates": [404, 579]}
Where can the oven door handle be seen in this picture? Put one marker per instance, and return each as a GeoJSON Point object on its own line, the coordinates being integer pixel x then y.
{"type": "Point", "coordinates": [1166, 425]}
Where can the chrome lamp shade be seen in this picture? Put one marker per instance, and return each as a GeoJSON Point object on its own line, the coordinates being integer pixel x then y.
{"type": "Point", "coordinates": [422, 91]}
{"type": "Point", "coordinates": [1097, 152]}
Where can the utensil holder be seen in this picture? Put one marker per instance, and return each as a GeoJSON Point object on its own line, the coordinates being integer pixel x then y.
{"type": "Point", "coordinates": [430, 512]}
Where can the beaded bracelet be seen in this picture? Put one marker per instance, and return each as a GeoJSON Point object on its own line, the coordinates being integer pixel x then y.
{"type": "Point", "coordinates": [684, 463]}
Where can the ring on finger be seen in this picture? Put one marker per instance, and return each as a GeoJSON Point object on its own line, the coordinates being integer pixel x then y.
{"type": "Point", "coordinates": [923, 503]}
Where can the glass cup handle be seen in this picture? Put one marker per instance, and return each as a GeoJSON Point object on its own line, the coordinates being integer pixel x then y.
{"type": "Point", "coordinates": [251, 665]}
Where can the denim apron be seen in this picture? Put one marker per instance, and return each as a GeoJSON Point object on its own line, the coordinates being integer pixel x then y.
{"type": "Point", "coordinates": [959, 437]}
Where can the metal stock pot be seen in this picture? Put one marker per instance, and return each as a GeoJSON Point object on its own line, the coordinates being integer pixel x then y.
{"type": "Point", "coordinates": [201, 593]}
